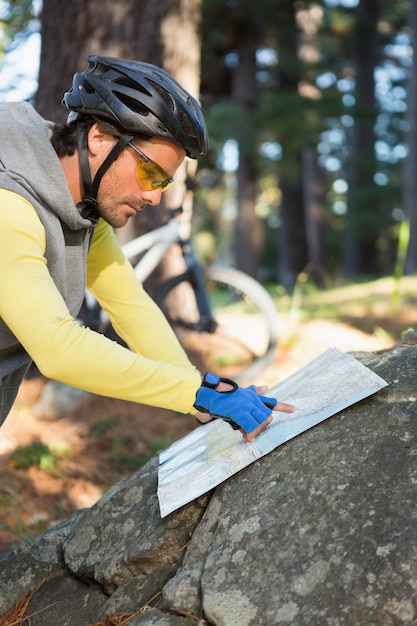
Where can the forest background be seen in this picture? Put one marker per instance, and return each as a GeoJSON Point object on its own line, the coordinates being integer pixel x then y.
{"type": "Point", "coordinates": [311, 112]}
{"type": "Point", "coordinates": [309, 185]}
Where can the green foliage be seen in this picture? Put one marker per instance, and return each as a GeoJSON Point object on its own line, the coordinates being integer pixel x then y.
{"type": "Point", "coordinates": [122, 450]}
{"type": "Point", "coordinates": [17, 21]}
{"type": "Point", "coordinates": [297, 120]}
{"type": "Point", "coordinates": [365, 305]}
{"type": "Point", "coordinates": [283, 113]}
{"type": "Point", "coordinates": [46, 457]}
{"type": "Point", "coordinates": [101, 428]}
{"type": "Point", "coordinates": [403, 239]}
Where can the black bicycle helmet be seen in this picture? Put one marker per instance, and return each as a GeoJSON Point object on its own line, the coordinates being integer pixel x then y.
{"type": "Point", "coordinates": [141, 98]}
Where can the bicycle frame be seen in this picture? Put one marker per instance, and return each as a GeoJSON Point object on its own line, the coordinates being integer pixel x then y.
{"type": "Point", "coordinates": [153, 246]}
{"type": "Point", "coordinates": [154, 243]}
{"type": "Point", "coordinates": [195, 274]}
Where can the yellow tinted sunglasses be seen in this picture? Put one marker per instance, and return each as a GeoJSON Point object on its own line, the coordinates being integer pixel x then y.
{"type": "Point", "coordinates": [149, 174]}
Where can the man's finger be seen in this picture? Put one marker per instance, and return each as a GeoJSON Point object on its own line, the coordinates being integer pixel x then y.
{"type": "Point", "coordinates": [251, 436]}
{"type": "Point", "coordinates": [284, 407]}
{"type": "Point", "coordinates": [280, 406]}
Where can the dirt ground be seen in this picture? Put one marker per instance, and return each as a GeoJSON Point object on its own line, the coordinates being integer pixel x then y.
{"type": "Point", "coordinates": [52, 467]}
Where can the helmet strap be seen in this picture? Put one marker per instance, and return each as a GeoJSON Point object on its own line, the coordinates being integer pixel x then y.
{"type": "Point", "coordinates": [88, 205]}
{"type": "Point", "coordinates": [111, 157]}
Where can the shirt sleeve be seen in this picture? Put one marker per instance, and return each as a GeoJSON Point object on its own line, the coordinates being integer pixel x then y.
{"type": "Point", "coordinates": [134, 315]}
{"type": "Point", "coordinates": [34, 310]}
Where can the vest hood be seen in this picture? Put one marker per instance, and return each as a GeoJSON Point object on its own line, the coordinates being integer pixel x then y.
{"type": "Point", "coordinates": [29, 160]}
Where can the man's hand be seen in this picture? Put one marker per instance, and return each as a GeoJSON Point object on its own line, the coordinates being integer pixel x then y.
{"type": "Point", "coordinates": [244, 408]}
{"type": "Point", "coordinates": [280, 406]}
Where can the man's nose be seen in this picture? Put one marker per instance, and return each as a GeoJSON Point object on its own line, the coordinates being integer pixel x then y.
{"type": "Point", "coordinates": [152, 197]}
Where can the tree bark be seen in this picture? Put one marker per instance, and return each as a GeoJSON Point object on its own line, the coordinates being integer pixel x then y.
{"type": "Point", "coordinates": [410, 166]}
{"type": "Point", "coordinates": [362, 232]}
{"type": "Point", "coordinates": [293, 245]}
{"type": "Point", "coordinates": [248, 232]}
{"type": "Point", "coordinates": [293, 242]}
{"type": "Point", "coordinates": [313, 201]}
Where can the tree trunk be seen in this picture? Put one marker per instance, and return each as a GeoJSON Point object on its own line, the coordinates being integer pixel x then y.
{"type": "Point", "coordinates": [293, 246]}
{"type": "Point", "coordinates": [248, 233]}
{"type": "Point", "coordinates": [410, 166]}
{"type": "Point", "coordinates": [313, 209]}
{"type": "Point", "coordinates": [293, 243]}
{"type": "Point", "coordinates": [362, 232]}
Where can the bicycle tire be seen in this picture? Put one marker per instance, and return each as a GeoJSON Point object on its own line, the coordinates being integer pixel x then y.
{"type": "Point", "coordinates": [245, 340]}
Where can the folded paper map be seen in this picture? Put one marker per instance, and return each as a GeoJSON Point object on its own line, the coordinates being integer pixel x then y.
{"type": "Point", "coordinates": [214, 452]}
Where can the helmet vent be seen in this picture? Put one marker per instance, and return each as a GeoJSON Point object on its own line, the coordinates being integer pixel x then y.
{"type": "Point", "coordinates": [186, 125]}
{"type": "Point", "coordinates": [133, 104]}
{"type": "Point", "coordinates": [126, 82]}
{"type": "Point", "coordinates": [167, 98]}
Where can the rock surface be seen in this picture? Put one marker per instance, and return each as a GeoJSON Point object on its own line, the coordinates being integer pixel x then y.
{"type": "Point", "coordinates": [322, 531]}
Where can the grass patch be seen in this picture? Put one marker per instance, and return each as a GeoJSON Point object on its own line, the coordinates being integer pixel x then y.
{"type": "Point", "coordinates": [385, 305]}
{"type": "Point", "coordinates": [46, 457]}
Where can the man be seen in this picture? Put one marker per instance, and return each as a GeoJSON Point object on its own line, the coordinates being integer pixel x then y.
{"type": "Point", "coordinates": [62, 191]}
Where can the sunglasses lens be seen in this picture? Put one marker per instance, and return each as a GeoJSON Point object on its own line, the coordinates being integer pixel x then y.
{"type": "Point", "coordinates": [151, 177]}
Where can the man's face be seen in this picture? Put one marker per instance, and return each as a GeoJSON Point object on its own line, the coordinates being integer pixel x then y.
{"type": "Point", "coordinates": [132, 181]}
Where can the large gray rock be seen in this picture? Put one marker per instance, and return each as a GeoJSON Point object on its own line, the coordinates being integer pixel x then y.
{"type": "Point", "coordinates": [320, 532]}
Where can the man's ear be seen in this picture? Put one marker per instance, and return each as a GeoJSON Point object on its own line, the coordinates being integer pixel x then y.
{"type": "Point", "coordinates": [96, 139]}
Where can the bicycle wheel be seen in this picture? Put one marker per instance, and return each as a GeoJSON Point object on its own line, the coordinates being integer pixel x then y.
{"type": "Point", "coordinates": [244, 341]}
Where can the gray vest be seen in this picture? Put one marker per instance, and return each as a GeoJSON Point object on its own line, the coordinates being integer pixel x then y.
{"type": "Point", "coordinates": [29, 166]}
{"type": "Point", "coordinates": [66, 254]}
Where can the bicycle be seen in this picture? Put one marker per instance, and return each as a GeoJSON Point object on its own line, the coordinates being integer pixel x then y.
{"type": "Point", "coordinates": [225, 320]}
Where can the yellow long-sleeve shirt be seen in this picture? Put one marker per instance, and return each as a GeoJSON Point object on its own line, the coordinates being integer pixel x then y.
{"type": "Point", "coordinates": [154, 371]}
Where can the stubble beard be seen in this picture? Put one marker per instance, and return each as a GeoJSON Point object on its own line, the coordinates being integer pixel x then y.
{"type": "Point", "coordinates": [109, 213]}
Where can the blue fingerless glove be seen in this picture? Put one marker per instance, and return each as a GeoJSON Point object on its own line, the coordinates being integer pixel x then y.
{"type": "Point", "coordinates": [241, 407]}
